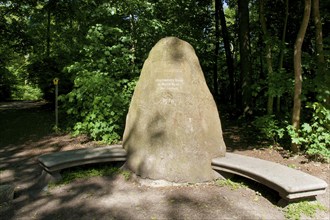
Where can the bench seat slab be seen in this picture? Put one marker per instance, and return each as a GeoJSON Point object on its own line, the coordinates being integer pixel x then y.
{"type": "Point", "coordinates": [65, 159]}
{"type": "Point", "coordinates": [290, 183]}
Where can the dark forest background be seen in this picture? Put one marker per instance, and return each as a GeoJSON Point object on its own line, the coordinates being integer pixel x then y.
{"type": "Point", "coordinates": [266, 62]}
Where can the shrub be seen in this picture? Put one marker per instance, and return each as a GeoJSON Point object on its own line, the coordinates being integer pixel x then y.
{"type": "Point", "coordinates": [314, 136]}
{"type": "Point", "coordinates": [27, 92]}
{"type": "Point", "coordinates": [269, 127]}
{"type": "Point", "coordinates": [103, 85]}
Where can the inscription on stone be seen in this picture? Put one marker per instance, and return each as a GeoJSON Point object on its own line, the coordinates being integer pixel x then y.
{"type": "Point", "coordinates": [170, 84]}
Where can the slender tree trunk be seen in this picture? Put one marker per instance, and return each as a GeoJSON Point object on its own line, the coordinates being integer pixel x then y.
{"type": "Point", "coordinates": [318, 34]}
{"type": "Point", "coordinates": [133, 36]}
{"type": "Point", "coordinates": [319, 47]}
{"type": "Point", "coordinates": [216, 50]}
{"type": "Point", "coordinates": [298, 71]}
{"type": "Point", "coordinates": [278, 99]}
{"type": "Point", "coordinates": [48, 32]}
{"type": "Point", "coordinates": [244, 43]}
{"type": "Point", "coordinates": [268, 56]}
{"type": "Point", "coordinates": [229, 58]}
{"type": "Point", "coordinates": [284, 34]}
{"type": "Point", "coordinates": [134, 39]}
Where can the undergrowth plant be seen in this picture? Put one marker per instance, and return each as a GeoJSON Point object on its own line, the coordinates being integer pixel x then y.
{"type": "Point", "coordinates": [269, 127]}
{"type": "Point", "coordinates": [314, 136]}
{"type": "Point", "coordinates": [294, 211]}
{"type": "Point", "coordinates": [26, 92]}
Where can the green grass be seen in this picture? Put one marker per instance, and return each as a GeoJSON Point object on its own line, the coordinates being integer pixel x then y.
{"type": "Point", "coordinates": [70, 175]}
{"type": "Point", "coordinates": [295, 211]}
{"type": "Point", "coordinates": [233, 185]}
{"type": "Point", "coordinates": [292, 166]}
{"type": "Point", "coordinates": [126, 173]}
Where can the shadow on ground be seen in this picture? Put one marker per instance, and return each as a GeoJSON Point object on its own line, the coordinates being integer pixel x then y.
{"type": "Point", "coordinates": [27, 133]}
{"type": "Point", "coordinates": [116, 198]}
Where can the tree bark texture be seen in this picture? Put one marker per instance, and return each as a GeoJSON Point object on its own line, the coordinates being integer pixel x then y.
{"type": "Point", "coordinates": [244, 43]}
{"type": "Point", "coordinates": [278, 99]}
{"type": "Point", "coordinates": [318, 34]}
{"type": "Point", "coordinates": [284, 34]}
{"type": "Point", "coordinates": [216, 50]}
{"type": "Point", "coordinates": [268, 55]}
{"type": "Point", "coordinates": [321, 65]}
{"type": "Point", "coordinates": [229, 58]}
{"type": "Point", "coordinates": [48, 32]}
{"type": "Point", "coordinates": [298, 71]}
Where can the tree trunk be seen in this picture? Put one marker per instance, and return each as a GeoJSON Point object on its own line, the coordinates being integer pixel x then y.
{"type": "Point", "coordinates": [229, 58]}
{"type": "Point", "coordinates": [244, 43]}
{"type": "Point", "coordinates": [133, 41]}
{"type": "Point", "coordinates": [318, 34]}
{"type": "Point", "coordinates": [216, 50]}
{"type": "Point", "coordinates": [48, 32]}
{"type": "Point", "coordinates": [284, 34]}
{"type": "Point", "coordinates": [298, 71]}
{"type": "Point", "coordinates": [278, 99]}
{"type": "Point", "coordinates": [319, 47]}
{"type": "Point", "coordinates": [268, 56]}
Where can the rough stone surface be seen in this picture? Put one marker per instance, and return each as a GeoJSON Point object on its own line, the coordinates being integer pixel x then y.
{"type": "Point", "coordinates": [6, 193]}
{"type": "Point", "coordinates": [173, 127]}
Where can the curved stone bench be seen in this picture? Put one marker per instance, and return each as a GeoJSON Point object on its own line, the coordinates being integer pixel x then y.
{"type": "Point", "coordinates": [53, 163]}
{"type": "Point", "coordinates": [291, 184]}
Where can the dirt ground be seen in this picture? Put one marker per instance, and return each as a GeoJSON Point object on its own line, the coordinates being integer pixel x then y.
{"type": "Point", "coordinates": [26, 133]}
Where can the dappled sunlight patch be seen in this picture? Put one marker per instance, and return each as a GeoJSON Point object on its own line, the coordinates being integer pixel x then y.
{"type": "Point", "coordinates": [6, 175]}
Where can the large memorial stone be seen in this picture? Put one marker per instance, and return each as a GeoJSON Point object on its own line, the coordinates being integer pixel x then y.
{"type": "Point", "coordinates": [173, 128]}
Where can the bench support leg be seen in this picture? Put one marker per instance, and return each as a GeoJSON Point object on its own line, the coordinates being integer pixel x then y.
{"type": "Point", "coordinates": [46, 178]}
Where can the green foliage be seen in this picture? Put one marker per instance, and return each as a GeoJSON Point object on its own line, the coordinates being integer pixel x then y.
{"type": "Point", "coordinates": [7, 80]}
{"type": "Point", "coordinates": [280, 83]}
{"type": "Point", "coordinates": [269, 127]}
{"type": "Point", "coordinates": [41, 72]}
{"type": "Point", "coordinates": [96, 48]}
{"type": "Point", "coordinates": [103, 85]}
{"type": "Point", "coordinates": [315, 135]}
{"type": "Point", "coordinates": [27, 92]}
{"type": "Point", "coordinates": [294, 211]}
